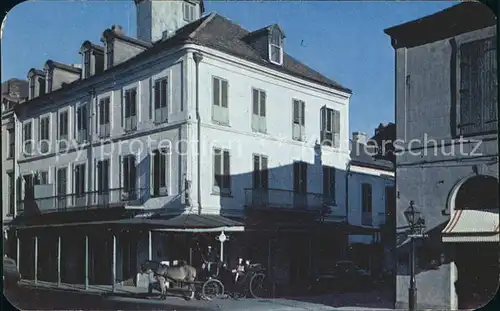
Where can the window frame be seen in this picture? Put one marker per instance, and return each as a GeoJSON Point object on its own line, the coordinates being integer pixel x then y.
{"type": "Point", "coordinates": [163, 107]}
{"type": "Point", "coordinates": [11, 141]}
{"type": "Point", "coordinates": [300, 184]}
{"type": "Point", "coordinates": [164, 179]}
{"type": "Point", "coordinates": [329, 190]}
{"type": "Point", "coordinates": [300, 125]}
{"type": "Point", "coordinates": [63, 137]}
{"type": "Point", "coordinates": [366, 198]}
{"type": "Point", "coordinates": [218, 108]}
{"type": "Point", "coordinates": [484, 127]}
{"type": "Point", "coordinates": [42, 137]}
{"type": "Point", "coordinates": [330, 128]}
{"type": "Point", "coordinates": [259, 119]}
{"type": "Point", "coordinates": [272, 44]}
{"type": "Point", "coordinates": [101, 187]}
{"type": "Point", "coordinates": [103, 127]}
{"type": "Point", "coordinates": [25, 138]}
{"type": "Point", "coordinates": [79, 170]}
{"type": "Point", "coordinates": [260, 177]}
{"type": "Point", "coordinates": [128, 104]}
{"type": "Point", "coordinates": [225, 179]}
{"type": "Point", "coordinates": [82, 123]}
{"type": "Point", "coordinates": [11, 180]}
{"type": "Point", "coordinates": [127, 183]}
{"type": "Point", "coordinates": [188, 8]}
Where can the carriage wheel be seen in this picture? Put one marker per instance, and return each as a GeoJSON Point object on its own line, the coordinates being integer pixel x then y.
{"type": "Point", "coordinates": [212, 288]}
{"type": "Point", "coordinates": [258, 287]}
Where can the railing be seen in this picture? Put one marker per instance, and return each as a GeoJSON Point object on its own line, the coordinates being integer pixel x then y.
{"type": "Point", "coordinates": [366, 218]}
{"type": "Point", "coordinates": [95, 199]}
{"type": "Point", "coordinates": [278, 198]}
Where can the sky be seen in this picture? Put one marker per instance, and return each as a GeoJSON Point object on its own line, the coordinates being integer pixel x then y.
{"type": "Point", "coordinates": [343, 40]}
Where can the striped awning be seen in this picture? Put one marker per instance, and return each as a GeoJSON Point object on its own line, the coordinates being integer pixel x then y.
{"type": "Point", "coordinates": [472, 226]}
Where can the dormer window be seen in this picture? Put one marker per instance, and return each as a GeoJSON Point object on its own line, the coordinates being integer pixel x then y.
{"type": "Point", "coordinates": [276, 46]}
{"type": "Point", "coordinates": [86, 64]}
{"type": "Point", "coordinates": [188, 11]}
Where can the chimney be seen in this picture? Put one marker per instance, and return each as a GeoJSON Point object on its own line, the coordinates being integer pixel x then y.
{"type": "Point", "coordinates": [117, 29]}
{"type": "Point", "coordinates": [359, 137]}
{"type": "Point", "coordinates": [79, 66]}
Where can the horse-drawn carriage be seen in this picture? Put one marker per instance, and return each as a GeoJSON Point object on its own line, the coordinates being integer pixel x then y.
{"type": "Point", "coordinates": [214, 279]}
{"type": "Point", "coordinates": [253, 282]}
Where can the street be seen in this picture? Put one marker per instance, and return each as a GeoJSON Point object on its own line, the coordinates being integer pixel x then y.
{"type": "Point", "coordinates": [39, 299]}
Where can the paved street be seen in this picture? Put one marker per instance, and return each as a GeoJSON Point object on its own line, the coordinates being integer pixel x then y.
{"type": "Point", "coordinates": [39, 299]}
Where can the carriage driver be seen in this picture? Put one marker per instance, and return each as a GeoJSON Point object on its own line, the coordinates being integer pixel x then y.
{"type": "Point", "coordinates": [212, 259]}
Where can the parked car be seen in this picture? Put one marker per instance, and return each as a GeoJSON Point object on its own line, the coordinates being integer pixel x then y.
{"type": "Point", "coordinates": [344, 275]}
{"type": "Point", "coordinates": [11, 275]}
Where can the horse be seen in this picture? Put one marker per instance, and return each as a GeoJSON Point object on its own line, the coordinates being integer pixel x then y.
{"type": "Point", "coordinates": [183, 273]}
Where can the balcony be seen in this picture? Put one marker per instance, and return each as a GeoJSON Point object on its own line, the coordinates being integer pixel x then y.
{"type": "Point", "coordinates": [287, 199]}
{"type": "Point", "coordinates": [87, 200]}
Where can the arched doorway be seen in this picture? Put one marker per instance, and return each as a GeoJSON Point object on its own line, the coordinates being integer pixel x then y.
{"type": "Point", "coordinates": [477, 262]}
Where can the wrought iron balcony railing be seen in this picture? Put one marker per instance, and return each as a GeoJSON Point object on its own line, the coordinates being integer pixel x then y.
{"type": "Point", "coordinates": [95, 199]}
{"type": "Point", "coordinates": [278, 198]}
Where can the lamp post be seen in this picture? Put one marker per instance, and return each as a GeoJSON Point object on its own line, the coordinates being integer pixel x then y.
{"type": "Point", "coordinates": [416, 230]}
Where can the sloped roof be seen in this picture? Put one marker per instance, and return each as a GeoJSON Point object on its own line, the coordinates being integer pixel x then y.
{"type": "Point", "coordinates": [362, 155]}
{"type": "Point", "coordinates": [222, 34]}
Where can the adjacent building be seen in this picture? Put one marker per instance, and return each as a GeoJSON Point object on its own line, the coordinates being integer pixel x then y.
{"type": "Point", "coordinates": [447, 91]}
{"type": "Point", "coordinates": [156, 144]}
{"type": "Point", "coordinates": [13, 92]}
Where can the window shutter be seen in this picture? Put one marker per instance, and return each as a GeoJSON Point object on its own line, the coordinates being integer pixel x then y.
{"type": "Point", "coordinates": [296, 113]}
{"type": "Point", "coordinates": [470, 113]}
{"type": "Point", "coordinates": [224, 94]}
{"type": "Point", "coordinates": [217, 167]}
{"type": "Point", "coordinates": [323, 123]}
{"type": "Point", "coordinates": [489, 85]}
{"type": "Point", "coordinates": [122, 110]}
{"type": "Point", "coordinates": [227, 170]}
{"type": "Point", "coordinates": [157, 92]}
{"type": "Point", "coordinates": [164, 92]}
{"type": "Point", "coordinates": [265, 177]}
{"type": "Point", "coordinates": [326, 181]}
{"type": "Point", "coordinates": [303, 113]}
{"type": "Point", "coordinates": [216, 90]}
{"type": "Point", "coordinates": [256, 168]}
{"type": "Point", "coordinates": [262, 104]}
{"type": "Point", "coordinates": [255, 100]}
{"type": "Point", "coordinates": [336, 128]}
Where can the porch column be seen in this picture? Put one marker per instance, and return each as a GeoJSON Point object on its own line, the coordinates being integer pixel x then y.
{"type": "Point", "coordinates": [222, 238]}
{"type": "Point", "coordinates": [18, 251]}
{"type": "Point", "coordinates": [36, 260]}
{"type": "Point", "coordinates": [59, 261]}
{"type": "Point", "coordinates": [150, 245]}
{"type": "Point", "coordinates": [86, 261]}
{"type": "Point", "coordinates": [113, 274]}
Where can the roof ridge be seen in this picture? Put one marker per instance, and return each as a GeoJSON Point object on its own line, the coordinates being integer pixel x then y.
{"type": "Point", "coordinates": [203, 24]}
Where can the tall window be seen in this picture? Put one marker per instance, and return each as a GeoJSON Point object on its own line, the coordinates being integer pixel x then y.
{"type": "Point", "coordinates": [188, 11]}
{"type": "Point", "coordinates": [104, 127]}
{"type": "Point", "coordinates": [130, 107]}
{"type": "Point", "coordinates": [129, 177]}
{"type": "Point", "coordinates": [63, 130]}
{"type": "Point", "coordinates": [222, 174]}
{"type": "Point", "coordinates": [478, 87]}
{"type": "Point", "coordinates": [300, 177]}
{"type": "Point", "coordinates": [79, 179]}
{"type": "Point", "coordinates": [276, 47]}
{"type": "Point", "coordinates": [330, 127]}
{"type": "Point", "coordinates": [44, 134]}
{"type": "Point", "coordinates": [260, 172]}
{"type": "Point", "coordinates": [86, 62]}
{"type": "Point", "coordinates": [159, 173]}
{"type": "Point", "coordinates": [258, 110]}
{"type": "Point", "coordinates": [366, 201]}
{"type": "Point", "coordinates": [329, 183]}
{"type": "Point", "coordinates": [42, 178]}
{"type": "Point", "coordinates": [298, 120]}
{"type": "Point", "coordinates": [161, 100]}
{"type": "Point", "coordinates": [11, 193]}
{"type": "Point", "coordinates": [27, 138]}
{"type": "Point", "coordinates": [62, 179]}
{"type": "Point", "coordinates": [12, 142]}
{"type": "Point", "coordinates": [103, 176]}
{"type": "Point", "coordinates": [220, 101]}
{"type": "Point", "coordinates": [81, 124]}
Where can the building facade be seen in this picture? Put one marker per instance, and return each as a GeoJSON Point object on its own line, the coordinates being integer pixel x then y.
{"type": "Point", "coordinates": [13, 92]}
{"type": "Point", "coordinates": [207, 120]}
{"type": "Point", "coordinates": [446, 90]}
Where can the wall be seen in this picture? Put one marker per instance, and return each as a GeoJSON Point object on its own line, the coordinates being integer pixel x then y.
{"type": "Point", "coordinates": [426, 107]}
{"type": "Point", "coordinates": [7, 164]}
{"type": "Point", "coordinates": [276, 144]}
{"type": "Point", "coordinates": [119, 143]}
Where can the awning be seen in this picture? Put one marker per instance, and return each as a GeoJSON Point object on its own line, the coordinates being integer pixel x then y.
{"type": "Point", "coordinates": [472, 226]}
{"type": "Point", "coordinates": [200, 223]}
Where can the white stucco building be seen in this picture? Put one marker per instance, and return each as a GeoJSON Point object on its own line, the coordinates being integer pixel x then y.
{"type": "Point", "coordinates": [197, 116]}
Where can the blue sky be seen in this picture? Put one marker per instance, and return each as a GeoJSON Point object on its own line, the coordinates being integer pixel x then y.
{"type": "Point", "coordinates": [343, 40]}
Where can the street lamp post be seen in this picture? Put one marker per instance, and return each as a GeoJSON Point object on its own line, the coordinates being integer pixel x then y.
{"type": "Point", "coordinates": [416, 230]}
